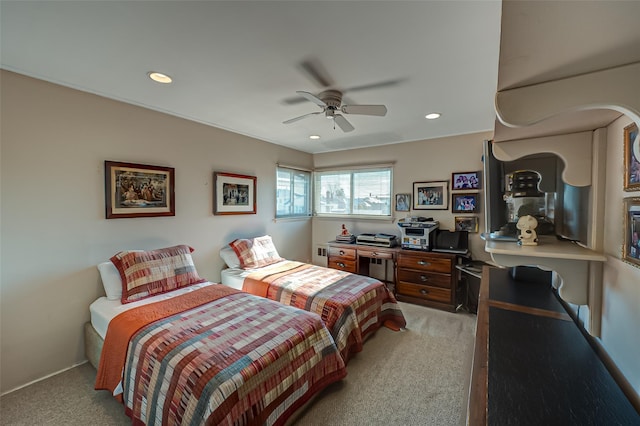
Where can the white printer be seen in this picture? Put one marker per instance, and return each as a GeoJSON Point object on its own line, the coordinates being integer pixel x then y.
{"type": "Point", "coordinates": [417, 232]}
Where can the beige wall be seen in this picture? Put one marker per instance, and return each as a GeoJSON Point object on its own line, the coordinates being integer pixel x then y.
{"type": "Point", "coordinates": [54, 232]}
{"type": "Point", "coordinates": [428, 160]}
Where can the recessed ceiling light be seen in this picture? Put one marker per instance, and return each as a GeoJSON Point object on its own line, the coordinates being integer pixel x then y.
{"type": "Point", "coordinates": [314, 137]}
{"type": "Point", "coordinates": [432, 116]}
{"type": "Point", "coordinates": [159, 77]}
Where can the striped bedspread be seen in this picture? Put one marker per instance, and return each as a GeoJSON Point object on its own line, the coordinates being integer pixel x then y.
{"type": "Point", "coordinates": [237, 359]}
{"type": "Point", "coordinates": [352, 306]}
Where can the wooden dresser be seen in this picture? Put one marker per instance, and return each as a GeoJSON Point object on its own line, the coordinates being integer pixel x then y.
{"type": "Point", "coordinates": [534, 366]}
{"type": "Point", "coordinates": [423, 278]}
{"type": "Point", "coordinates": [342, 257]}
{"type": "Point", "coordinates": [427, 278]}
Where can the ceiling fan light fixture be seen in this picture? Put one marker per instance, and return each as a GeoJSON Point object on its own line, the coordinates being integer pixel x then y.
{"type": "Point", "coordinates": [331, 103]}
{"type": "Point", "coordinates": [432, 116]}
{"type": "Point", "coordinates": [159, 77]}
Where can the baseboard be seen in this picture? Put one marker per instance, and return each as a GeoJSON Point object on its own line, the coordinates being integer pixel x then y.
{"type": "Point", "coordinates": [44, 378]}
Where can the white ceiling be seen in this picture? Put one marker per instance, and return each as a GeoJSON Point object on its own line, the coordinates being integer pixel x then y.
{"type": "Point", "coordinates": [236, 64]}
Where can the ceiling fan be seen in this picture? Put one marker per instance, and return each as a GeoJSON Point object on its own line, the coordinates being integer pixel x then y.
{"type": "Point", "coordinates": [317, 73]}
{"type": "Point", "coordinates": [331, 103]}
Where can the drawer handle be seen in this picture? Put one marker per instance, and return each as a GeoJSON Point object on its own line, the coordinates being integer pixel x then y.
{"type": "Point", "coordinates": [341, 252]}
{"type": "Point", "coordinates": [340, 264]}
{"type": "Point", "coordinates": [423, 263]}
{"type": "Point", "coordinates": [423, 278]}
{"type": "Point", "coordinates": [423, 291]}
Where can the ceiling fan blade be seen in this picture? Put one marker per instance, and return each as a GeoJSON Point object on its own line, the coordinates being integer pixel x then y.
{"type": "Point", "coordinates": [343, 123]}
{"type": "Point", "coordinates": [379, 110]}
{"type": "Point", "coordinates": [317, 72]}
{"type": "Point", "coordinates": [293, 100]}
{"type": "Point", "coordinates": [379, 85]}
{"type": "Point", "coordinates": [313, 98]}
{"type": "Point", "coordinates": [293, 120]}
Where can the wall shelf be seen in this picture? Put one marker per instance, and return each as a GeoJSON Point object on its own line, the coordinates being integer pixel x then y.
{"type": "Point", "coordinates": [569, 260]}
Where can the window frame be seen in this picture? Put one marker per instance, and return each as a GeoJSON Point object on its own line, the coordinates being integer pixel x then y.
{"type": "Point", "coordinates": [352, 170]}
{"type": "Point", "coordinates": [309, 188]}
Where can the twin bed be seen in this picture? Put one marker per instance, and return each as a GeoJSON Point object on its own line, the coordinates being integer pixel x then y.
{"type": "Point", "coordinates": [176, 348]}
{"type": "Point", "coordinates": [351, 306]}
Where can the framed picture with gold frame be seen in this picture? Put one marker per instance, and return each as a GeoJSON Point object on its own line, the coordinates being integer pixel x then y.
{"type": "Point", "coordinates": [138, 190]}
{"type": "Point", "coordinates": [466, 223]}
{"type": "Point", "coordinates": [631, 247]}
{"type": "Point", "coordinates": [631, 158]}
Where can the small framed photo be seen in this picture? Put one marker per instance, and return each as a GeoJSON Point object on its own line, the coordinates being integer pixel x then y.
{"type": "Point", "coordinates": [431, 195]}
{"type": "Point", "coordinates": [631, 158]}
{"type": "Point", "coordinates": [138, 190]}
{"type": "Point", "coordinates": [464, 203]}
{"type": "Point", "coordinates": [403, 202]}
{"type": "Point", "coordinates": [631, 247]}
{"type": "Point", "coordinates": [465, 180]}
{"type": "Point", "coordinates": [233, 194]}
{"type": "Point", "coordinates": [466, 223]}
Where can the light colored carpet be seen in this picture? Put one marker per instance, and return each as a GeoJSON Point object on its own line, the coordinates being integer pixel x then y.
{"type": "Point", "coordinates": [419, 376]}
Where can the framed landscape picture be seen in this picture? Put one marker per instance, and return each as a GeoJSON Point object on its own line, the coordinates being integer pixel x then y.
{"type": "Point", "coordinates": [431, 195]}
{"type": "Point", "coordinates": [233, 194]}
{"type": "Point", "coordinates": [138, 190]}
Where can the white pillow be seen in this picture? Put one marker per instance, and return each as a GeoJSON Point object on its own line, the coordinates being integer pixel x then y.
{"type": "Point", "coordinates": [230, 257]}
{"type": "Point", "coordinates": [111, 280]}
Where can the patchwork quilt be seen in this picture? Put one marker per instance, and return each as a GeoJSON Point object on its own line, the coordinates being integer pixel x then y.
{"type": "Point", "coordinates": [352, 306]}
{"type": "Point", "coordinates": [217, 356]}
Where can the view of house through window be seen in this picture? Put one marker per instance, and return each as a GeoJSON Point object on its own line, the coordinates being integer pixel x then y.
{"type": "Point", "coordinates": [353, 192]}
{"type": "Point", "coordinates": [293, 194]}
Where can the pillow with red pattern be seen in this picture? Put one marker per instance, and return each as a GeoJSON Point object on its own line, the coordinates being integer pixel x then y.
{"type": "Point", "coordinates": [256, 252]}
{"type": "Point", "coordinates": [147, 273]}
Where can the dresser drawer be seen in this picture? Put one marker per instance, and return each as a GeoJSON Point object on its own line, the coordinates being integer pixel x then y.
{"type": "Point", "coordinates": [344, 253]}
{"type": "Point", "coordinates": [426, 292]}
{"type": "Point", "coordinates": [372, 253]}
{"type": "Point", "coordinates": [424, 263]}
{"type": "Point", "coordinates": [424, 278]}
{"type": "Point", "coordinates": [342, 264]}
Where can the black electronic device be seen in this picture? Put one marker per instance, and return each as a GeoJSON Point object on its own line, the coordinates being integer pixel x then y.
{"type": "Point", "coordinates": [456, 242]}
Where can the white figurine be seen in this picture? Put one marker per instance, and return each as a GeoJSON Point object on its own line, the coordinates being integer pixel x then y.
{"type": "Point", "coordinates": [528, 236]}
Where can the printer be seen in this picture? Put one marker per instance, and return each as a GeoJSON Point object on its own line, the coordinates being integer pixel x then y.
{"type": "Point", "coordinates": [417, 232]}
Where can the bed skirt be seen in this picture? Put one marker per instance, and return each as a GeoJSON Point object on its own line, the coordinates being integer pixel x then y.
{"type": "Point", "coordinates": [92, 345]}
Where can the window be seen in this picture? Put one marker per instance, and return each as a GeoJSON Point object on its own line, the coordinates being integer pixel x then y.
{"type": "Point", "coordinates": [293, 192]}
{"type": "Point", "coordinates": [353, 192]}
